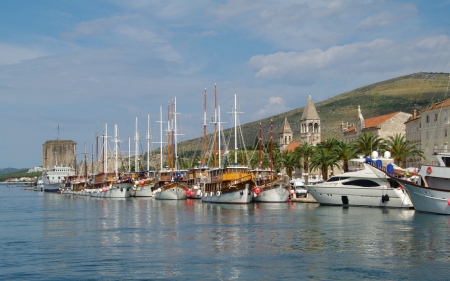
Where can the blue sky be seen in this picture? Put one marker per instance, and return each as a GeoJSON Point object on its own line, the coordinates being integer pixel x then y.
{"type": "Point", "coordinates": [81, 64]}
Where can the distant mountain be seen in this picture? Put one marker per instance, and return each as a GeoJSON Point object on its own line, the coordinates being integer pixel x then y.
{"type": "Point", "coordinates": [405, 93]}
{"type": "Point", "coordinates": [11, 170]}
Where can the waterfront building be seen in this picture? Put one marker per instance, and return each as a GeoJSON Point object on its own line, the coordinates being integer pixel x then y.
{"type": "Point", "coordinates": [412, 134]}
{"type": "Point", "coordinates": [434, 130]}
{"type": "Point", "coordinates": [382, 126]}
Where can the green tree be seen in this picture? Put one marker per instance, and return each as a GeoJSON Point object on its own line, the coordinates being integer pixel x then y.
{"type": "Point", "coordinates": [400, 149]}
{"type": "Point", "coordinates": [366, 143]}
{"type": "Point", "coordinates": [304, 152]}
{"type": "Point", "coordinates": [344, 152]}
{"type": "Point", "coordinates": [290, 161]}
{"type": "Point", "coordinates": [323, 159]}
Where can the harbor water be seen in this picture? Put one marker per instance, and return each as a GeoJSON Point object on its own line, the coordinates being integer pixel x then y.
{"type": "Point", "coordinates": [45, 236]}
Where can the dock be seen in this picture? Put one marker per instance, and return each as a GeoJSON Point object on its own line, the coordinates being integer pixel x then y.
{"type": "Point", "coordinates": [307, 199]}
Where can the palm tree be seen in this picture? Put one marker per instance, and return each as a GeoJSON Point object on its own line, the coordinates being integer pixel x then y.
{"type": "Point", "coordinates": [304, 152]}
{"type": "Point", "coordinates": [323, 159]}
{"type": "Point", "coordinates": [366, 143]}
{"type": "Point", "coordinates": [400, 149]}
{"type": "Point", "coordinates": [290, 161]}
{"type": "Point", "coordinates": [344, 152]}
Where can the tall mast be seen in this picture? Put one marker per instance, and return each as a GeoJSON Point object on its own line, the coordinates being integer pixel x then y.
{"type": "Point", "coordinates": [129, 155]}
{"type": "Point", "coordinates": [271, 145]}
{"type": "Point", "coordinates": [160, 135]}
{"type": "Point", "coordinates": [169, 142]}
{"type": "Point", "coordinates": [204, 128]}
{"type": "Point", "coordinates": [215, 126]}
{"type": "Point", "coordinates": [149, 137]}
{"type": "Point", "coordinates": [235, 132]}
{"type": "Point", "coordinates": [218, 111]}
{"type": "Point", "coordinates": [175, 150]}
{"type": "Point", "coordinates": [136, 152]}
{"type": "Point", "coordinates": [105, 150]}
{"type": "Point", "coordinates": [260, 146]}
{"type": "Point", "coordinates": [116, 150]}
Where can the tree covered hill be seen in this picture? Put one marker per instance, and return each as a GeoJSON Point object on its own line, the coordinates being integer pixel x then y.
{"type": "Point", "coordinates": [405, 93]}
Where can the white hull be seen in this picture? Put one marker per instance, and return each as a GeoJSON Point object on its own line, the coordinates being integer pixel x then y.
{"type": "Point", "coordinates": [235, 197]}
{"type": "Point", "coordinates": [428, 200]}
{"type": "Point", "coordinates": [51, 187]}
{"type": "Point", "coordinates": [174, 193]}
{"type": "Point", "coordinates": [116, 191]}
{"type": "Point", "coordinates": [66, 191]}
{"type": "Point", "coordinates": [39, 187]}
{"type": "Point", "coordinates": [274, 195]}
{"type": "Point", "coordinates": [359, 196]}
{"type": "Point", "coordinates": [142, 191]}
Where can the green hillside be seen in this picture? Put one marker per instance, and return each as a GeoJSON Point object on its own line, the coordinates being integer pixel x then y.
{"type": "Point", "coordinates": [399, 94]}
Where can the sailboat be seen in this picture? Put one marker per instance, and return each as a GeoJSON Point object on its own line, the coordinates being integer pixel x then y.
{"type": "Point", "coordinates": [144, 181]}
{"type": "Point", "coordinates": [232, 184]}
{"type": "Point", "coordinates": [268, 188]}
{"type": "Point", "coordinates": [172, 183]}
{"type": "Point", "coordinates": [198, 175]}
{"type": "Point", "coordinates": [110, 185]}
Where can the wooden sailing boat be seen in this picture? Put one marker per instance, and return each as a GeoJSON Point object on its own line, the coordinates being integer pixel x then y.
{"type": "Point", "coordinates": [197, 176]}
{"type": "Point", "coordinates": [110, 185]}
{"type": "Point", "coordinates": [144, 181]}
{"type": "Point", "coordinates": [268, 187]}
{"type": "Point", "coordinates": [172, 183]}
{"type": "Point", "coordinates": [232, 184]}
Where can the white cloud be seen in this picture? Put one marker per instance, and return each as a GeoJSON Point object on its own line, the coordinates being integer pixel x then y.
{"type": "Point", "coordinates": [11, 54]}
{"type": "Point", "coordinates": [350, 59]}
{"type": "Point", "coordinates": [273, 106]}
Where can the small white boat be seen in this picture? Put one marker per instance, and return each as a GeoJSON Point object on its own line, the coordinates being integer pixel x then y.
{"type": "Point", "coordinates": [114, 190]}
{"type": "Point", "coordinates": [39, 185]}
{"type": "Point", "coordinates": [361, 188]}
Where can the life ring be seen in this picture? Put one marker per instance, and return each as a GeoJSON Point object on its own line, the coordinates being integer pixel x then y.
{"type": "Point", "coordinates": [218, 193]}
{"type": "Point", "coordinates": [429, 170]}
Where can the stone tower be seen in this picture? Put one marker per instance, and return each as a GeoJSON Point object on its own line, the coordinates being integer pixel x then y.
{"type": "Point", "coordinates": [310, 124]}
{"type": "Point", "coordinates": [360, 123]}
{"type": "Point", "coordinates": [285, 134]}
{"type": "Point", "coordinates": [59, 153]}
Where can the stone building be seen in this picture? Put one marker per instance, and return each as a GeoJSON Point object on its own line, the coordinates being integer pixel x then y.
{"type": "Point", "coordinates": [382, 126]}
{"type": "Point", "coordinates": [310, 124]}
{"type": "Point", "coordinates": [59, 153]}
{"type": "Point", "coordinates": [286, 135]}
{"type": "Point", "coordinates": [434, 130]}
{"type": "Point", "coordinates": [412, 134]}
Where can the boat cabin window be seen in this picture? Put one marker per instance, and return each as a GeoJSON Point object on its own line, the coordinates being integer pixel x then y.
{"type": "Point", "coordinates": [362, 183]}
{"type": "Point", "coordinates": [446, 161]}
{"type": "Point", "coordinates": [336, 179]}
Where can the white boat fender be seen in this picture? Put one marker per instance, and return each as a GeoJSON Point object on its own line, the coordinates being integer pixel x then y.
{"type": "Point", "coordinates": [218, 193]}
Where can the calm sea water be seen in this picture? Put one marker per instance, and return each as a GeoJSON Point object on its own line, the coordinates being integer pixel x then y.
{"type": "Point", "coordinates": [47, 236]}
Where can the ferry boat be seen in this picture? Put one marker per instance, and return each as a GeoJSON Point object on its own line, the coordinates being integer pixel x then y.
{"type": "Point", "coordinates": [53, 178]}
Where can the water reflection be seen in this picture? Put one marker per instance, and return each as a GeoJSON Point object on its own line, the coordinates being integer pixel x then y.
{"type": "Point", "coordinates": [49, 236]}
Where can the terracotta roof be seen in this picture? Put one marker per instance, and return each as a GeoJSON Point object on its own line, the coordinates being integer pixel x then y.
{"type": "Point", "coordinates": [293, 145]}
{"type": "Point", "coordinates": [437, 105]}
{"type": "Point", "coordinates": [375, 121]}
{"type": "Point", "coordinates": [310, 111]}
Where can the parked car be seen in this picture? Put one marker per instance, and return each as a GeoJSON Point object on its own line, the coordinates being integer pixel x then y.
{"type": "Point", "coordinates": [299, 187]}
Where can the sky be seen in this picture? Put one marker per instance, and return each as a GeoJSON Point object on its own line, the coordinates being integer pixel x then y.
{"type": "Point", "coordinates": [68, 69]}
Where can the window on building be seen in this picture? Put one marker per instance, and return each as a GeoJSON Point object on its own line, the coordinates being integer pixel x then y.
{"type": "Point", "coordinates": [428, 119]}
{"type": "Point", "coordinates": [435, 117]}
{"type": "Point", "coordinates": [445, 132]}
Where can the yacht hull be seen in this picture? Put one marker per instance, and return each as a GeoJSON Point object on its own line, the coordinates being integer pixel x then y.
{"type": "Point", "coordinates": [360, 196]}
